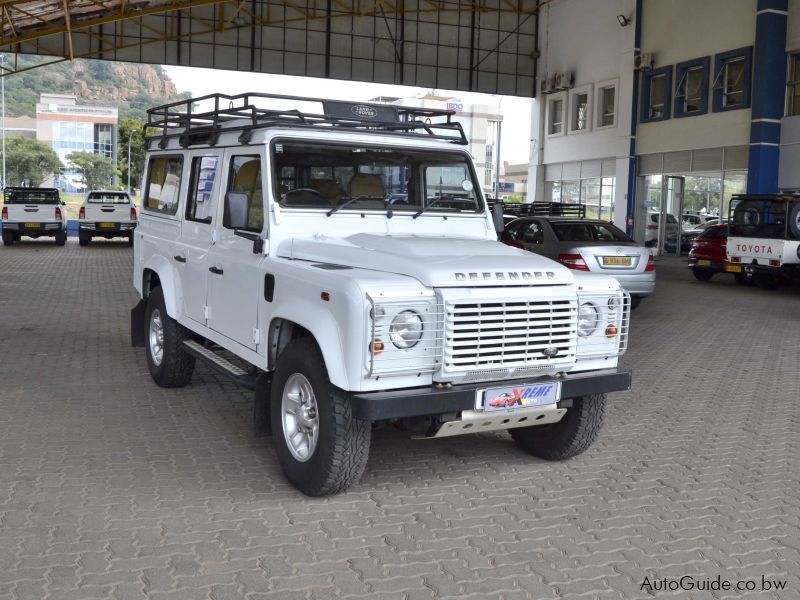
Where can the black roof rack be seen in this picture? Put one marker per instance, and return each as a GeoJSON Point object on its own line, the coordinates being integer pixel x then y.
{"type": "Point", "coordinates": [193, 124]}
{"type": "Point", "coordinates": [41, 192]}
{"type": "Point", "coordinates": [546, 209]}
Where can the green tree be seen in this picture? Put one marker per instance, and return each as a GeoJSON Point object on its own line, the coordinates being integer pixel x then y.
{"type": "Point", "coordinates": [97, 171]}
{"type": "Point", "coordinates": [130, 129]}
{"type": "Point", "coordinates": [29, 162]}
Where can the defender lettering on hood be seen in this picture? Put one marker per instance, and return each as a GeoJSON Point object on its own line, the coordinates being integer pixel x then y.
{"type": "Point", "coordinates": [507, 276]}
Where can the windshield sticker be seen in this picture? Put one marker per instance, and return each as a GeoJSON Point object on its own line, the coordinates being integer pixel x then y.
{"type": "Point", "coordinates": [467, 185]}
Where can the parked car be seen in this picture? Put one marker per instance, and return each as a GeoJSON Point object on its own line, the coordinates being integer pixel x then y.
{"type": "Point", "coordinates": [33, 212]}
{"type": "Point", "coordinates": [670, 231]}
{"type": "Point", "coordinates": [708, 255]}
{"type": "Point", "coordinates": [692, 221]}
{"type": "Point", "coordinates": [588, 245]}
{"type": "Point", "coordinates": [107, 214]}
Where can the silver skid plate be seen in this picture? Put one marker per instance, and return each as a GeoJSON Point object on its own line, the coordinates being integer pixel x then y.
{"type": "Point", "coordinates": [475, 421]}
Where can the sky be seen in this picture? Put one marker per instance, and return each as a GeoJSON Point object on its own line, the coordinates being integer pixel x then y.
{"type": "Point", "coordinates": [515, 138]}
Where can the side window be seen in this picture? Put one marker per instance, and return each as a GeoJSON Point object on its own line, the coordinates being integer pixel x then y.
{"type": "Point", "coordinates": [245, 177]}
{"type": "Point", "coordinates": [533, 234]}
{"type": "Point", "coordinates": [163, 184]}
{"type": "Point", "coordinates": [201, 184]}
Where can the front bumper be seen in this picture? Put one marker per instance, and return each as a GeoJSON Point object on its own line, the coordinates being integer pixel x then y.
{"type": "Point", "coordinates": [415, 402]}
{"type": "Point", "coordinates": [43, 228]}
{"type": "Point", "coordinates": [95, 227]}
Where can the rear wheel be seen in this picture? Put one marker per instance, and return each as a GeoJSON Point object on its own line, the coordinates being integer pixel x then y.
{"type": "Point", "coordinates": [321, 447]}
{"type": "Point", "coordinates": [61, 238]}
{"type": "Point", "coordinates": [169, 364]}
{"type": "Point", "coordinates": [702, 274]}
{"type": "Point", "coordinates": [8, 238]}
{"type": "Point", "coordinates": [83, 239]}
{"type": "Point", "coordinates": [130, 240]}
{"type": "Point", "coordinates": [766, 281]}
{"type": "Point", "coordinates": [743, 278]}
{"type": "Point", "coordinates": [571, 436]}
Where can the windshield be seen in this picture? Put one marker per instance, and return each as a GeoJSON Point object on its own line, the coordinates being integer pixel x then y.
{"type": "Point", "coordinates": [580, 231]}
{"type": "Point", "coordinates": [358, 177]}
{"type": "Point", "coordinates": [32, 196]}
{"type": "Point", "coordinates": [109, 198]}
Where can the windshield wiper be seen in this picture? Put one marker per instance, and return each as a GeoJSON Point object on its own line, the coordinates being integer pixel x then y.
{"type": "Point", "coordinates": [338, 207]}
{"type": "Point", "coordinates": [435, 202]}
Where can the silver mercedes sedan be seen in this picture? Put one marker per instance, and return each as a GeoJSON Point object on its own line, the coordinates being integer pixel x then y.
{"type": "Point", "coordinates": [587, 245]}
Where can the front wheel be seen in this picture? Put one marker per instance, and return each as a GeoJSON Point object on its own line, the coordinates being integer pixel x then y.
{"type": "Point", "coordinates": [635, 301]}
{"type": "Point", "coordinates": [170, 365]}
{"type": "Point", "coordinates": [702, 274]}
{"type": "Point", "coordinates": [322, 449]}
{"type": "Point", "coordinates": [571, 436]}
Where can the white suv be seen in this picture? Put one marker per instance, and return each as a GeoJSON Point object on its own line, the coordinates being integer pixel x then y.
{"type": "Point", "coordinates": [107, 214]}
{"type": "Point", "coordinates": [33, 212]}
{"type": "Point", "coordinates": [343, 264]}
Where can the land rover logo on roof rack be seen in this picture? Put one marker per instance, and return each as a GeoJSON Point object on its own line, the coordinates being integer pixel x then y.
{"type": "Point", "coordinates": [363, 111]}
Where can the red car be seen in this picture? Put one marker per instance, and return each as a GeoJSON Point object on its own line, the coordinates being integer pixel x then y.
{"type": "Point", "coordinates": [505, 400]}
{"type": "Point", "coordinates": [708, 257]}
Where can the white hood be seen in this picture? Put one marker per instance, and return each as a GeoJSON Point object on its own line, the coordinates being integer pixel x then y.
{"type": "Point", "coordinates": [433, 261]}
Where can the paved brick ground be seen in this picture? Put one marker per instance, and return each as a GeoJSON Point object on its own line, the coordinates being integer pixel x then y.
{"type": "Point", "coordinates": [111, 487]}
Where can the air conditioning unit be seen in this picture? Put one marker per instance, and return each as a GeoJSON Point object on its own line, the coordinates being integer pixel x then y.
{"type": "Point", "coordinates": [643, 61]}
{"type": "Point", "coordinates": [544, 86]}
{"type": "Point", "coordinates": [563, 81]}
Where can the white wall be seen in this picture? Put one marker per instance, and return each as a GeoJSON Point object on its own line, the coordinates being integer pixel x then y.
{"type": "Point", "coordinates": [678, 30]}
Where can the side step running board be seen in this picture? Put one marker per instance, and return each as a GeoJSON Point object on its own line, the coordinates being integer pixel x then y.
{"type": "Point", "coordinates": [220, 365]}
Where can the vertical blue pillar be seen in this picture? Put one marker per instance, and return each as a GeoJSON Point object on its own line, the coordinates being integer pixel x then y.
{"type": "Point", "coordinates": [769, 92]}
{"type": "Point", "coordinates": [630, 219]}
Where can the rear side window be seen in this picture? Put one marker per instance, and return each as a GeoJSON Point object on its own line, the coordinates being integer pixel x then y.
{"type": "Point", "coordinates": [199, 203]}
{"type": "Point", "coordinates": [108, 198]}
{"type": "Point", "coordinates": [163, 184]}
{"type": "Point", "coordinates": [589, 232]}
{"type": "Point", "coordinates": [245, 177]}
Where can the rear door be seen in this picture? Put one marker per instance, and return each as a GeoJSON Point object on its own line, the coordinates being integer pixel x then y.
{"type": "Point", "coordinates": [198, 231]}
{"type": "Point", "coordinates": [234, 277]}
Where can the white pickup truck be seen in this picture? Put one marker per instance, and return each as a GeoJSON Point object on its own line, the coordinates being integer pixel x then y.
{"type": "Point", "coordinates": [344, 265]}
{"type": "Point", "coordinates": [33, 212]}
{"type": "Point", "coordinates": [766, 244]}
{"type": "Point", "coordinates": [107, 214]}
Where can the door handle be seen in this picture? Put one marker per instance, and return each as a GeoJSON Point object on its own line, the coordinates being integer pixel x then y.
{"type": "Point", "coordinates": [180, 259]}
{"type": "Point", "coordinates": [216, 270]}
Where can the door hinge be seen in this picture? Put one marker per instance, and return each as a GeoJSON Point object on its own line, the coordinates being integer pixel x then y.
{"type": "Point", "coordinates": [206, 313]}
{"type": "Point", "coordinates": [256, 336]}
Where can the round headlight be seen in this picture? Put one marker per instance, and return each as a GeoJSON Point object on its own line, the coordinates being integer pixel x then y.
{"type": "Point", "coordinates": [587, 319]}
{"type": "Point", "coordinates": [406, 330]}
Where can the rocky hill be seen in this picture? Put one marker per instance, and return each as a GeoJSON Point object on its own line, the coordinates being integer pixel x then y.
{"type": "Point", "coordinates": [133, 88]}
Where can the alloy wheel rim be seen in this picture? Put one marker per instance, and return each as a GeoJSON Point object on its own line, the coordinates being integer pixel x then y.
{"type": "Point", "coordinates": [156, 337]}
{"type": "Point", "coordinates": [300, 417]}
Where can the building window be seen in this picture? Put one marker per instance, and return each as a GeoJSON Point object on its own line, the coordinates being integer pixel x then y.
{"type": "Point", "coordinates": [607, 102]}
{"type": "Point", "coordinates": [793, 87]}
{"type": "Point", "coordinates": [556, 117]}
{"type": "Point", "coordinates": [732, 79]}
{"type": "Point", "coordinates": [580, 111]}
{"type": "Point", "coordinates": [691, 93]}
{"type": "Point", "coordinates": [595, 193]}
{"type": "Point", "coordinates": [656, 87]}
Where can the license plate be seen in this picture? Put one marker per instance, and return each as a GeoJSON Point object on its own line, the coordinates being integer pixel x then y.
{"type": "Point", "coordinates": [703, 263]}
{"type": "Point", "coordinates": [617, 261]}
{"type": "Point", "coordinates": [108, 225]}
{"type": "Point", "coordinates": [733, 268]}
{"type": "Point", "coordinates": [521, 396]}
{"type": "Point", "coordinates": [32, 225]}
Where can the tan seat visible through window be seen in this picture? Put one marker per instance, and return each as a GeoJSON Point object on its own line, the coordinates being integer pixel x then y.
{"type": "Point", "coordinates": [367, 185]}
{"type": "Point", "coordinates": [328, 188]}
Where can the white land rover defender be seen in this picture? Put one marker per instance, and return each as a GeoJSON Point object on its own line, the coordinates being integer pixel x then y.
{"type": "Point", "coordinates": [33, 212]}
{"type": "Point", "coordinates": [343, 264]}
{"type": "Point", "coordinates": [764, 241]}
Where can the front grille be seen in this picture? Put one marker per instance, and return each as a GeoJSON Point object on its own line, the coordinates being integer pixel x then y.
{"type": "Point", "coordinates": [509, 334]}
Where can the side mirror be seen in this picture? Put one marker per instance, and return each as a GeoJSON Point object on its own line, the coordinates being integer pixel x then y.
{"type": "Point", "coordinates": [497, 216]}
{"type": "Point", "coordinates": [234, 215]}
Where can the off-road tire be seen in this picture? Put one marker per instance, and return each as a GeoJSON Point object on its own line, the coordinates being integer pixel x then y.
{"type": "Point", "coordinates": [8, 238]}
{"type": "Point", "coordinates": [743, 278]}
{"type": "Point", "coordinates": [767, 282]}
{"type": "Point", "coordinates": [61, 238]}
{"type": "Point", "coordinates": [702, 274]}
{"type": "Point", "coordinates": [83, 239]}
{"type": "Point", "coordinates": [571, 436]}
{"type": "Point", "coordinates": [177, 365]}
{"type": "Point", "coordinates": [342, 447]}
{"type": "Point", "coordinates": [635, 301]}
{"type": "Point", "coordinates": [794, 220]}
{"type": "Point", "coordinates": [130, 240]}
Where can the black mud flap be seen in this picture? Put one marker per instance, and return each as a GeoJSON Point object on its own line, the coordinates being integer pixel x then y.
{"type": "Point", "coordinates": [137, 324]}
{"type": "Point", "coordinates": [261, 398]}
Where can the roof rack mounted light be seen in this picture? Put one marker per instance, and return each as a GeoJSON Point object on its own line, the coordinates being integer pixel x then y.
{"type": "Point", "coordinates": [193, 125]}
